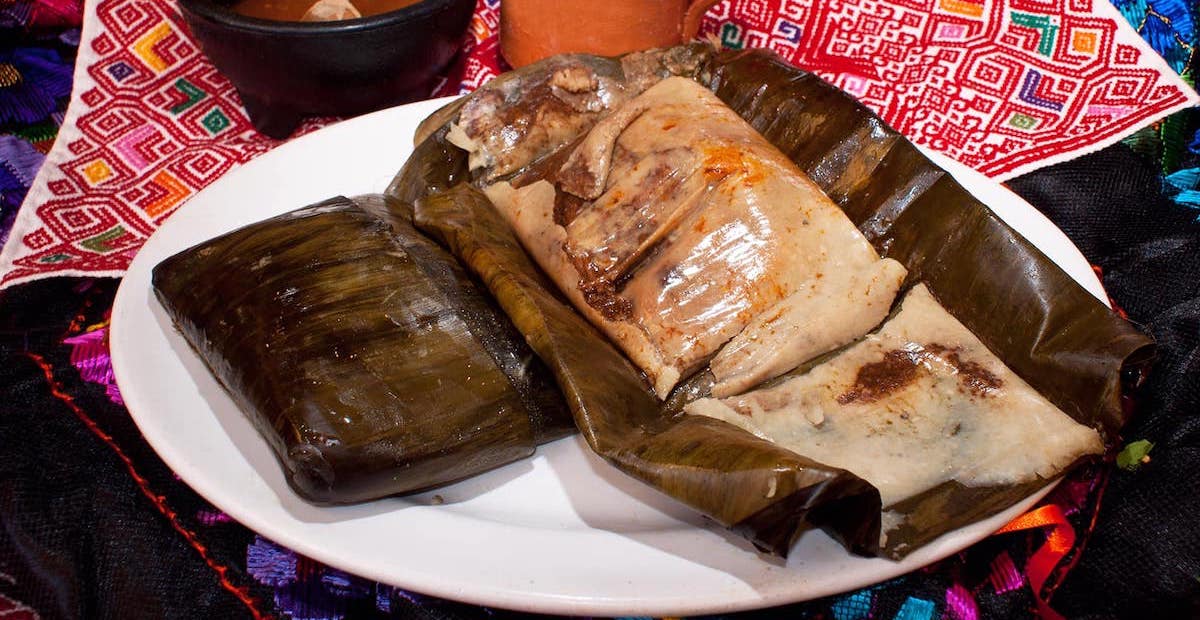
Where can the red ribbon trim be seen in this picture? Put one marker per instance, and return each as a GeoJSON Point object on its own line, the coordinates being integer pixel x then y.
{"type": "Point", "coordinates": [1059, 541]}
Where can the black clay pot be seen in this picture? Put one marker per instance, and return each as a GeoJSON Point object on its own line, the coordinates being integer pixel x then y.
{"type": "Point", "coordinates": [285, 71]}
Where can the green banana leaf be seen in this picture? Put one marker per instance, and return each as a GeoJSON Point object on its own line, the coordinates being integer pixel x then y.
{"type": "Point", "coordinates": [1047, 328]}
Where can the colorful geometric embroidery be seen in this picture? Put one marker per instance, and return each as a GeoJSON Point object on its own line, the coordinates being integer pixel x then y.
{"type": "Point", "coordinates": [1004, 576]}
{"type": "Point", "coordinates": [192, 95]}
{"type": "Point", "coordinates": [155, 123]}
{"type": "Point", "coordinates": [89, 355]}
{"type": "Point", "coordinates": [1004, 86]}
{"type": "Point", "coordinates": [960, 604]}
{"type": "Point", "coordinates": [306, 589]}
{"type": "Point", "coordinates": [915, 609]}
{"type": "Point", "coordinates": [855, 606]}
{"type": "Point", "coordinates": [11, 609]}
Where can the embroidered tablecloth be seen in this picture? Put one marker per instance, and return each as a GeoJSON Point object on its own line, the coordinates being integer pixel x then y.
{"type": "Point", "coordinates": [1005, 86]}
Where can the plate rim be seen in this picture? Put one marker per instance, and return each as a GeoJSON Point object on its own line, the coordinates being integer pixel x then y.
{"type": "Point", "coordinates": [479, 594]}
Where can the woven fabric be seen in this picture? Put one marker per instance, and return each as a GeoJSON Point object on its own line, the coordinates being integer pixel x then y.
{"type": "Point", "coordinates": [1005, 86]}
{"type": "Point", "coordinates": [93, 524]}
{"type": "Point", "coordinates": [1144, 553]}
{"type": "Point", "coordinates": [37, 51]}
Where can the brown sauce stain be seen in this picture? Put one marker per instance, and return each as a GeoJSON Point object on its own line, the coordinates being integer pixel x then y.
{"type": "Point", "coordinates": [623, 159]}
{"type": "Point", "coordinates": [599, 292]}
{"type": "Point", "coordinates": [546, 167]}
{"type": "Point", "coordinates": [576, 176]}
{"type": "Point", "coordinates": [978, 379]}
{"type": "Point", "coordinates": [658, 181]}
{"type": "Point", "coordinates": [634, 219]}
{"type": "Point", "coordinates": [602, 295]}
{"type": "Point", "coordinates": [896, 370]}
{"type": "Point", "coordinates": [900, 368]}
{"type": "Point", "coordinates": [567, 207]}
{"type": "Point", "coordinates": [972, 376]}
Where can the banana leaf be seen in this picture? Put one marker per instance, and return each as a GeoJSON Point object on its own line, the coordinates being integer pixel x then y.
{"type": "Point", "coordinates": [362, 352]}
{"type": "Point", "coordinates": [1033, 316]}
{"type": "Point", "coordinates": [744, 482]}
{"type": "Point", "coordinates": [1054, 334]}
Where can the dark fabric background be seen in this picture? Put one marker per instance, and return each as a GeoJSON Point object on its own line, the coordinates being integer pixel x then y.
{"type": "Point", "coordinates": [1144, 557]}
{"type": "Point", "coordinates": [94, 525]}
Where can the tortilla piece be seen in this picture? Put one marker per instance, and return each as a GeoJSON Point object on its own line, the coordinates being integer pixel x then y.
{"type": "Point", "coordinates": [330, 11]}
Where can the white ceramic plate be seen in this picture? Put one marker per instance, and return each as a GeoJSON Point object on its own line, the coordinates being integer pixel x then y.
{"type": "Point", "coordinates": [559, 533]}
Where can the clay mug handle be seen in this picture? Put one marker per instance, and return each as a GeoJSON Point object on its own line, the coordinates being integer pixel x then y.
{"type": "Point", "coordinates": [693, 16]}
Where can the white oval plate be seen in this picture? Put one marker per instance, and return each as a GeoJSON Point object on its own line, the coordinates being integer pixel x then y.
{"type": "Point", "coordinates": [558, 533]}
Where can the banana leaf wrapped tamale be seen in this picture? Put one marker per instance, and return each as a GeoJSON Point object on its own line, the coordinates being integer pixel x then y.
{"type": "Point", "coordinates": [1023, 308]}
{"type": "Point", "coordinates": [369, 360]}
{"type": "Point", "coordinates": [744, 482]}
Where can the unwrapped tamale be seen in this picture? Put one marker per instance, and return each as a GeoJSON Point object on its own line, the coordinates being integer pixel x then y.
{"type": "Point", "coordinates": [1031, 315]}
{"type": "Point", "coordinates": [686, 231]}
{"type": "Point", "coordinates": [365, 355]}
{"type": "Point", "coordinates": [916, 404]}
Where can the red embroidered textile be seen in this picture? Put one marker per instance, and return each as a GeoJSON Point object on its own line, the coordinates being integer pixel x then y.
{"type": "Point", "coordinates": [1005, 86]}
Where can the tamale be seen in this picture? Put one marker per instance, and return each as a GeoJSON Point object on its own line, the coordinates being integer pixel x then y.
{"type": "Point", "coordinates": [913, 405]}
{"type": "Point", "coordinates": [749, 484]}
{"type": "Point", "coordinates": [688, 231]}
{"type": "Point", "coordinates": [1041, 324]}
{"type": "Point", "coordinates": [1070, 347]}
{"type": "Point", "coordinates": [366, 357]}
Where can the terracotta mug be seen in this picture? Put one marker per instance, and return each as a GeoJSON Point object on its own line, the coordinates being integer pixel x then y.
{"type": "Point", "coordinates": [534, 29]}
